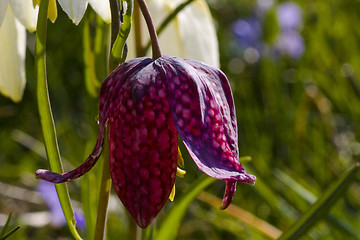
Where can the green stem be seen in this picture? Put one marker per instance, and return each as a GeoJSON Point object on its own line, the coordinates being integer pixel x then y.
{"type": "Point", "coordinates": [46, 118]}
{"type": "Point", "coordinates": [137, 30]}
{"type": "Point", "coordinates": [104, 195]}
{"type": "Point", "coordinates": [156, 52]}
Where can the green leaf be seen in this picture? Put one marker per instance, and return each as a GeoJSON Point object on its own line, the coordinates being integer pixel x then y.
{"type": "Point", "coordinates": [171, 224]}
{"type": "Point", "coordinates": [118, 51]}
{"type": "Point", "coordinates": [322, 206]}
{"type": "Point", "coordinates": [3, 230]}
{"type": "Point", "coordinates": [46, 118]}
{"type": "Point", "coordinates": [10, 233]}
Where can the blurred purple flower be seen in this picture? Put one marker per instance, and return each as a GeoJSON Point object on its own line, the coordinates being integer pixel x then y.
{"type": "Point", "coordinates": [248, 32]}
{"type": "Point", "coordinates": [290, 43]}
{"type": "Point", "coordinates": [289, 16]}
{"type": "Point", "coordinates": [48, 193]}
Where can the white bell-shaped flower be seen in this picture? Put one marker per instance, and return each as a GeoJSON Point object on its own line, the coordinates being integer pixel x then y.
{"type": "Point", "coordinates": [191, 35]}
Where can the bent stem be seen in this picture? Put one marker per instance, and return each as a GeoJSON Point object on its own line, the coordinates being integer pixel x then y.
{"type": "Point", "coordinates": [156, 52]}
{"type": "Point", "coordinates": [46, 118]}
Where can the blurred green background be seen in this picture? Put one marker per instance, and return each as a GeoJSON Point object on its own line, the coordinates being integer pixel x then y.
{"type": "Point", "coordinates": [298, 118]}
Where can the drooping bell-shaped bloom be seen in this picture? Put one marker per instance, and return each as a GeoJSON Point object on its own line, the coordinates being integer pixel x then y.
{"type": "Point", "coordinates": [75, 9]}
{"type": "Point", "coordinates": [17, 16]}
{"type": "Point", "coordinates": [13, 51]}
{"type": "Point", "coordinates": [145, 104]}
{"type": "Point", "coordinates": [191, 35]}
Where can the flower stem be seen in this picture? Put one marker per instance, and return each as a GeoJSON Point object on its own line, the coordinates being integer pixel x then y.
{"type": "Point", "coordinates": [46, 117]}
{"type": "Point", "coordinates": [137, 31]}
{"type": "Point", "coordinates": [156, 52]}
{"type": "Point", "coordinates": [104, 195]}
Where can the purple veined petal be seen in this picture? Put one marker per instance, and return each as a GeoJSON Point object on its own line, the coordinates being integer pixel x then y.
{"type": "Point", "coordinates": [204, 115]}
{"type": "Point", "coordinates": [110, 95]}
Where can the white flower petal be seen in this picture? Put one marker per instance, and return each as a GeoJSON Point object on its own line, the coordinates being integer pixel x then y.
{"type": "Point", "coordinates": [3, 7]}
{"type": "Point", "coordinates": [25, 13]}
{"type": "Point", "coordinates": [75, 9]}
{"type": "Point", "coordinates": [198, 33]}
{"type": "Point", "coordinates": [12, 57]}
{"type": "Point", "coordinates": [191, 35]}
{"type": "Point", "coordinates": [102, 7]}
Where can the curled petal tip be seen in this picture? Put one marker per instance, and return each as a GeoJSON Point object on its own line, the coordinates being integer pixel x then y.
{"type": "Point", "coordinates": [49, 176]}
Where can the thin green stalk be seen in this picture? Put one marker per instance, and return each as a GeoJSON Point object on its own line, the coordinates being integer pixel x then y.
{"type": "Point", "coordinates": [166, 22]}
{"type": "Point", "coordinates": [104, 195]}
{"type": "Point", "coordinates": [46, 118]}
{"type": "Point", "coordinates": [137, 30]}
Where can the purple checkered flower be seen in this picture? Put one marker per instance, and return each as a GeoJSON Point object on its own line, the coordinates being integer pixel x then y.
{"type": "Point", "coordinates": [145, 104]}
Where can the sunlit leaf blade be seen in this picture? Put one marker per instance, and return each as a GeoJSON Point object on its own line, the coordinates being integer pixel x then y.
{"type": "Point", "coordinates": [311, 199]}
{"type": "Point", "coordinates": [46, 118]}
{"type": "Point", "coordinates": [3, 230]}
{"type": "Point", "coordinates": [91, 82]}
{"type": "Point", "coordinates": [322, 206]}
{"type": "Point", "coordinates": [242, 215]}
{"type": "Point", "coordinates": [10, 233]}
{"type": "Point", "coordinates": [171, 224]}
{"type": "Point", "coordinates": [118, 51]}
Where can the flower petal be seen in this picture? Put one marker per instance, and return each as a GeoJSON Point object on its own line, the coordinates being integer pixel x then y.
{"type": "Point", "coordinates": [199, 41]}
{"type": "Point", "coordinates": [75, 9]}
{"type": "Point", "coordinates": [191, 35]}
{"type": "Point", "coordinates": [102, 7]}
{"type": "Point", "coordinates": [12, 57]}
{"type": "Point", "coordinates": [204, 115]}
{"type": "Point", "coordinates": [25, 13]}
{"type": "Point", "coordinates": [142, 138]}
{"type": "Point", "coordinates": [3, 8]}
{"type": "Point", "coordinates": [106, 106]}
{"type": "Point", "coordinates": [229, 194]}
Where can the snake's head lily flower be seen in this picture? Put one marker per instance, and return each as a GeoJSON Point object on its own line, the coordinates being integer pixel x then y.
{"type": "Point", "coordinates": [145, 104]}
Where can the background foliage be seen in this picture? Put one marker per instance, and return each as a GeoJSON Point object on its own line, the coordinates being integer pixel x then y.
{"type": "Point", "coordinates": [298, 119]}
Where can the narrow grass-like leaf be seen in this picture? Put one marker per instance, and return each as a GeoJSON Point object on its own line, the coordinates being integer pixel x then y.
{"type": "Point", "coordinates": [91, 82]}
{"type": "Point", "coordinates": [171, 223]}
{"type": "Point", "coordinates": [10, 233]}
{"type": "Point", "coordinates": [322, 206]}
{"type": "Point", "coordinates": [242, 215]}
{"type": "Point", "coordinates": [4, 229]}
{"type": "Point", "coordinates": [46, 118]}
{"type": "Point", "coordinates": [311, 199]}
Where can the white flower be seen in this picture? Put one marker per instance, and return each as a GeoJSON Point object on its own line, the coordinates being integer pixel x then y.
{"type": "Point", "coordinates": [18, 15]}
{"type": "Point", "coordinates": [191, 35]}
{"type": "Point", "coordinates": [75, 9]}
{"type": "Point", "coordinates": [13, 45]}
